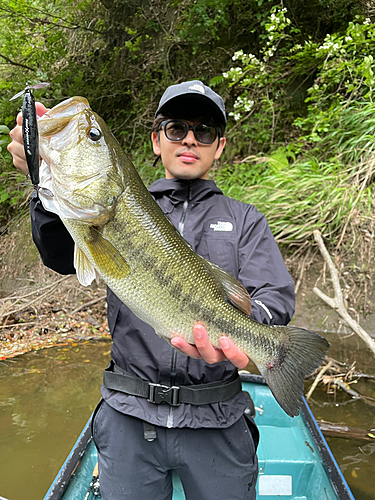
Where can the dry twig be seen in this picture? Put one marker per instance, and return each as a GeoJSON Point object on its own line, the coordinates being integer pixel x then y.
{"type": "Point", "coordinates": [298, 284]}
{"type": "Point", "coordinates": [87, 304]}
{"type": "Point", "coordinates": [40, 297]}
{"type": "Point", "coordinates": [318, 379]}
{"type": "Point", "coordinates": [337, 302]}
{"type": "Point", "coordinates": [335, 374]}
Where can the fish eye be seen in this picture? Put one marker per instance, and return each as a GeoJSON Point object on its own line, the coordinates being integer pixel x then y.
{"type": "Point", "coordinates": [94, 134]}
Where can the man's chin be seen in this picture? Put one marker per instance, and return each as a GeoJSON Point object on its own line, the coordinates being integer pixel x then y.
{"type": "Point", "coordinates": [187, 175]}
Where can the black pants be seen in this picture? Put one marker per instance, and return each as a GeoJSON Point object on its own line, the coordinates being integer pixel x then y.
{"type": "Point", "coordinates": [213, 464]}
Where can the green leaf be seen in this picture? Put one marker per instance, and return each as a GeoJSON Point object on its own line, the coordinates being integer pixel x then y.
{"type": "Point", "coordinates": [3, 197]}
{"type": "Point", "coordinates": [4, 129]}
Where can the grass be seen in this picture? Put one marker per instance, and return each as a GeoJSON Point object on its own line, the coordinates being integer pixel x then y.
{"type": "Point", "coordinates": [323, 188]}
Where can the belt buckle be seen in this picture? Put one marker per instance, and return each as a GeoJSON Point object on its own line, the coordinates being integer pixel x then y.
{"type": "Point", "coordinates": [160, 394]}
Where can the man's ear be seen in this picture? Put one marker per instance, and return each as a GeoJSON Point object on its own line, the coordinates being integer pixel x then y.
{"type": "Point", "coordinates": [155, 143]}
{"type": "Point", "coordinates": [220, 147]}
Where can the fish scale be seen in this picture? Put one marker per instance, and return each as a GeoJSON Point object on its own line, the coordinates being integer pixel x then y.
{"type": "Point", "coordinates": [121, 234]}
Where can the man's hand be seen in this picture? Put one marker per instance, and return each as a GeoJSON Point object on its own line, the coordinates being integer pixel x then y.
{"type": "Point", "coordinates": [16, 148]}
{"type": "Point", "coordinates": [204, 349]}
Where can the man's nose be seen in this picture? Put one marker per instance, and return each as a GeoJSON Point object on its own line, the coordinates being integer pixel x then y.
{"type": "Point", "coordinates": [190, 139]}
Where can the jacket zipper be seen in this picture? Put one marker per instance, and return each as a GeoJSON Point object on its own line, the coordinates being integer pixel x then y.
{"type": "Point", "coordinates": [181, 227]}
{"type": "Point", "coordinates": [181, 224]}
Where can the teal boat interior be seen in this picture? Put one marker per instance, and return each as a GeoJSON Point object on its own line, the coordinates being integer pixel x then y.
{"type": "Point", "coordinates": [295, 461]}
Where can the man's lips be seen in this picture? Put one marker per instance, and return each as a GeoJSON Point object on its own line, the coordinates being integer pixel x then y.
{"type": "Point", "coordinates": [188, 156]}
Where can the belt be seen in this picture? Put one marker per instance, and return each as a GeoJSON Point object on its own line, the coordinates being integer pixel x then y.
{"type": "Point", "coordinates": [117, 379]}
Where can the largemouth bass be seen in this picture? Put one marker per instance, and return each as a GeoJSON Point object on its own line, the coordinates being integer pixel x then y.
{"type": "Point", "coordinates": [121, 234]}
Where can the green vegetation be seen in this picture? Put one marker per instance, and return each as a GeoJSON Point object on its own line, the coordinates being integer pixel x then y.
{"type": "Point", "coordinates": [319, 164]}
{"type": "Point", "coordinates": [297, 76]}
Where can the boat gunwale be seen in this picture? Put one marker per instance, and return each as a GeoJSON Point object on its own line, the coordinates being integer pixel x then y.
{"type": "Point", "coordinates": [335, 475]}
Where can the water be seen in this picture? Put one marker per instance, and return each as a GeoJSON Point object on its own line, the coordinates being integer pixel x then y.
{"type": "Point", "coordinates": [46, 397]}
{"type": "Point", "coordinates": [356, 458]}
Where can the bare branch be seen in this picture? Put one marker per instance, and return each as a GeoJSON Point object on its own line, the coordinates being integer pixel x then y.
{"type": "Point", "coordinates": [337, 302]}
{"type": "Point", "coordinates": [13, 63]}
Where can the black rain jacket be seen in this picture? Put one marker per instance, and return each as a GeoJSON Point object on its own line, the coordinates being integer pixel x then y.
{"type": "Point", "coordinates": [229, 233]}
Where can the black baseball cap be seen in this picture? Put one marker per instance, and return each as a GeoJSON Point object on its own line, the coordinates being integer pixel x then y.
{"type": "Point", "coordinates": [187, 91]}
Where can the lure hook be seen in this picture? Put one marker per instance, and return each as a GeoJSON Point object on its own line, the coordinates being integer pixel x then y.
{"type": "Point", "coordinates": [29, 87]}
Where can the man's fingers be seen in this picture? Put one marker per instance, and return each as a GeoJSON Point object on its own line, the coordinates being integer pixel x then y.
{"type": "Point", "coordinates": [204, 349]}
{"type": "Point", "coordinates": [188, 349]}
{"type": "Point", "coordinates": [19, 119]}
{"type": "Point", "coordinates": [17, 150]}
{"type": "Point", "coordinates": [237, 357]}
{"type": "Point", "coordinates": [40, 109]}
{"type": "Point", "coordinates": [208, 352]}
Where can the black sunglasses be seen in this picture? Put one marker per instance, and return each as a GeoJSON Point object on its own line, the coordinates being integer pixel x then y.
{"type": "Point", "coordinates": [177, 130]}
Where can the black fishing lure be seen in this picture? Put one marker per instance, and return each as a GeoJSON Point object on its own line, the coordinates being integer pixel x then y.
{"type": "Point", "coordinates": [30, 133]}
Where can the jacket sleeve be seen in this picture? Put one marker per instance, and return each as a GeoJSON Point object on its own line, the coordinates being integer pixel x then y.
{"type": "Point", "coordinates": [52, 239]}
{"type": "Point", "coordinates": [263, 272]}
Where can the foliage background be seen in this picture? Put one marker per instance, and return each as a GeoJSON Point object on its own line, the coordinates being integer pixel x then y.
{"type": "Point", "coordinates": [297, 77]}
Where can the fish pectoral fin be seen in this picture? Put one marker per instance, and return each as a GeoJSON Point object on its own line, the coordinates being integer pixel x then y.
{"type": "Point", "coordinates": [235, 293]}
{"type": "Point", "coordinates": [108, 260]}
{"type": "Point", "coordinates": [86, 272]}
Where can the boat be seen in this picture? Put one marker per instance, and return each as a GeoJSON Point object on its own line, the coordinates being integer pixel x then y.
{"type": "Point", "coordinates": [295, 461]}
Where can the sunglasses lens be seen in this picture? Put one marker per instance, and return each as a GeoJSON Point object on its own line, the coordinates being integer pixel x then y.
{"type": "Point", "coordinates": [205, 133]}
{"type": "Point", "coordinates": [177, 130]}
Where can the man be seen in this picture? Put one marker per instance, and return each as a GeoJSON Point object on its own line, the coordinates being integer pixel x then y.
{"type": "Point", "coordinates": [206, 438]}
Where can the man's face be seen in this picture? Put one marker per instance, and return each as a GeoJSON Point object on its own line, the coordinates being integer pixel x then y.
{"type": "Point", "coordinates": [188, 158]}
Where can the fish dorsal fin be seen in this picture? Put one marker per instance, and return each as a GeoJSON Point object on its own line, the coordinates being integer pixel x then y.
{"type": "Point", "coordinates": [235, 293]}
{"type": "Point", "coordinates": [108, 260]}
{"type": "Point", "coordinates": [85, 270]}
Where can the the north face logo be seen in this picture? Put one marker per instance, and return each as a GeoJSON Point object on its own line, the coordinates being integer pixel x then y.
{"type": "Point", "coordinates": [198, 88]}
{"type": "Point", "coordinates": [222, 226]}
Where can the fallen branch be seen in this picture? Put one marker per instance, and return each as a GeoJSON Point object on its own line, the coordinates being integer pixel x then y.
{"type": "Point", "coordinates": [338, 430]}
{"type": "Point", "coordinates": [355, 395]}
{"type": "Point", "coordinates": [337, 302]}
{"type": "Point", "coordinates": [12, 325]}
{"type": "Point", "coordinates": [28, 304]}
{"type": "Point", "coordinates": [298, 284]}
{"type": "Point", "coordinates": [92, 302]}
{"type": "Point", "coordinates": [318, 379]}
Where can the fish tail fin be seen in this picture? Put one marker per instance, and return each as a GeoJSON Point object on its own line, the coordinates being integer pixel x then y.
{"type": "Point", "coordinates": [300, 353]}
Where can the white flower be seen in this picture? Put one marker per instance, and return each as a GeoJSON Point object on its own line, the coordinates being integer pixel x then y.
{"type": "Point", "coordinates": [243, 102]}
{"type": "Point", "coordinates": [249, 105]}
{"type": "Point", "coordinates": [237, 55]}
{"type": "Point", "coordinates": [236, 116]}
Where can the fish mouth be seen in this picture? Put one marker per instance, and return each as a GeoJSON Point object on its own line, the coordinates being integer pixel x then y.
{"type": "Point", "coordinates": [58, 118]}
